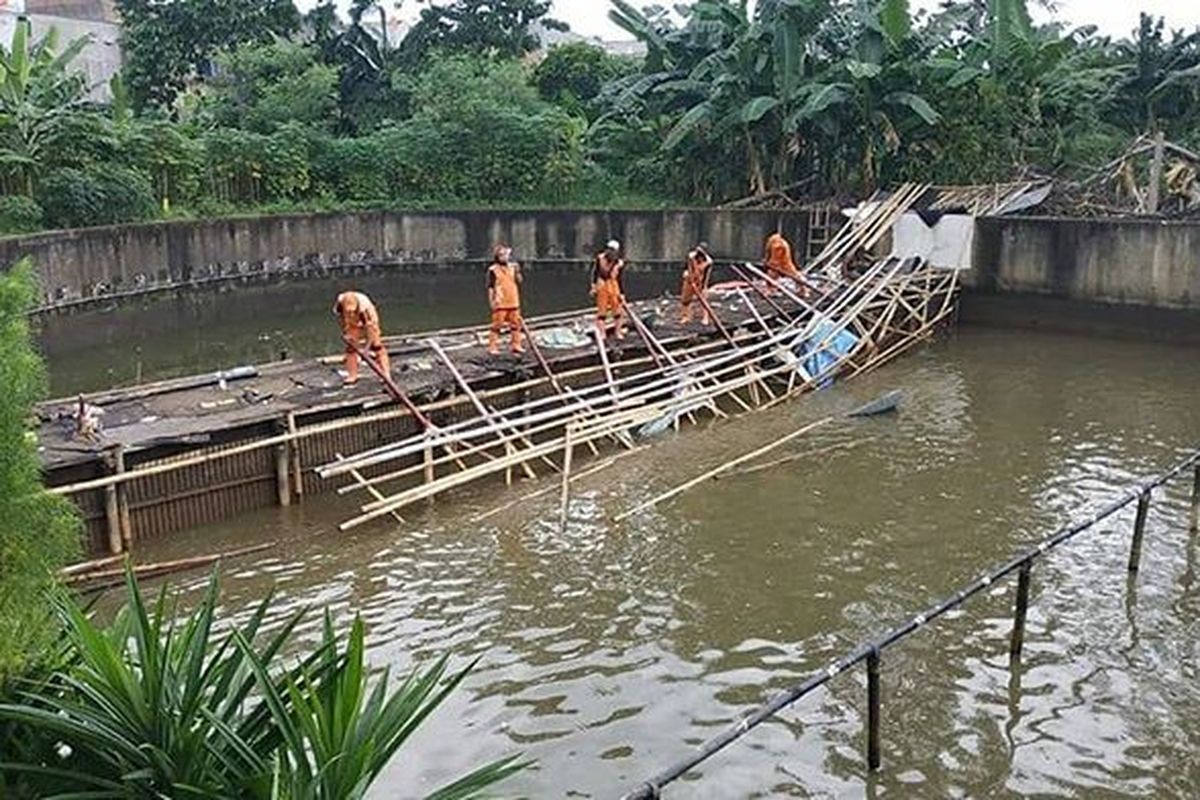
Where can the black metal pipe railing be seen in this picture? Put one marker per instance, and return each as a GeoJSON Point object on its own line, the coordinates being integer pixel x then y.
{"type": "Point", "coordinates": [870, 652]}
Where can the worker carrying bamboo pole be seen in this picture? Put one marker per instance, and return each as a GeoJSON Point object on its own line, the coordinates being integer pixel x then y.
{"type": "Point", "coordinates": [504, 297]}
{"type": "Point", "coordinates": [608, 288]}
{"type": "Point", "coordinates": [696, 274]}
{"type": "Point", "coordinates": [360, 328]}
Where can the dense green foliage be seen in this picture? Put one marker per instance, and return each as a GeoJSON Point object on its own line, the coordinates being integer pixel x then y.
{"type": "Point", "coordinates": [165, 44]}
{"type": "Point", "coordinates": [38, 532]}
{"type": "Point", "coordinates": [243, 106]}
{"type": "Point", "coordinates": [163, 704]}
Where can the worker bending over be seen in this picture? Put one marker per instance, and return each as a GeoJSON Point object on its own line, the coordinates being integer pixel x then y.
{"type": "Point", "coordinates": [360, 328]}
{"type": "Point", "coordinates": [608, 288]}
{"type": "Point", "coordinates": [779, 261]}
{"type": "Point", "coordinates": [504, 296]}
{"type": "Point", "coordinates": [695, 284]}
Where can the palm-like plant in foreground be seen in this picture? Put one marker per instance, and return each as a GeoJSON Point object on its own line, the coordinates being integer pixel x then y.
{"type": "Point", "coordinates": [158, 705]}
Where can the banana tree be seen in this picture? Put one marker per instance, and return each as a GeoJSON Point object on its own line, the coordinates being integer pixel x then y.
{"type": "Point", "coordinates": [39, 92]}
{"type": "Point", "coordinates": [730, 76]}
{"type": "Point", "coordinates": [863, 103]}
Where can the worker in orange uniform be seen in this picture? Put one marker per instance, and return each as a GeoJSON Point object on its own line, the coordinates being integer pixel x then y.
{"type": "Point", "coordinates": [360, 326]}
{"type": "Point", "coordinates": [695, 283]}
{"type": "Point", "coordinates": [608, 288]}
{"type": "Point", "coordinates": [504, 296]}
{"type": "Point", "coordinates": [779, 259]}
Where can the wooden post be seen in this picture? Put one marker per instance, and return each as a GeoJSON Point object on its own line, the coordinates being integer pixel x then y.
{"type": "Point", "coordinates": [566, 478]}
{"type": "Point", "coordinates": [294, 454]}
{"type": "Point", "coordinates": [123, 501]}
{"type": "Point", "coordinates": [1020, 612]}
{"type": "Point", "coordinates": [112, 509]}
{"type": "Point", "coordinates": [430, 474]}
{"type": "Point", "coordinates": [1196, 500]}
{"type": "Point", "coordinates": [1139, 529]}
{"type": "Point", "coordinates": [873, 699]}
{"type": "Point", "coordinates": [283, 471]}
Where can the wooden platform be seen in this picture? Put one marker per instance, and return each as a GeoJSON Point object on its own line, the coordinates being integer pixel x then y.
{"type": "Point", "coordinates": [176, 425]}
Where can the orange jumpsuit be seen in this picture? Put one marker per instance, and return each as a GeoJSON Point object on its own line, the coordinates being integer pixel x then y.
{"type": "Point", "coordinates": [779, 259]}
{"type": "Point", "coordinates": [695, 282]}
{"type": "Point", "coordinates": [606, 286]}
{"type": "Point", "coordinates": [504, 294]}
{"type": "Point", "coordinates": [360, 324]}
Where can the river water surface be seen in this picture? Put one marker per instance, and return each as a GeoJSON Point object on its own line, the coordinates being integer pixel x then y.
{"type": "Point", "coordinates": [608, 651]}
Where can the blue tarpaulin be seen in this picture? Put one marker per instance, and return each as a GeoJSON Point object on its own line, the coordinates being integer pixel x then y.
{"type": "Point", "coordinates": [820, 348]}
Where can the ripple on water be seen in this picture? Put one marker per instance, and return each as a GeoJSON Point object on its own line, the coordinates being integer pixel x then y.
{"type": "Point", "coordinates": [607, 651]}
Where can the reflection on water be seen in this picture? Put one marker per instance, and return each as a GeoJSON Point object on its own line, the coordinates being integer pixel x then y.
{"type": "Point", "coordinates": [610, 650]}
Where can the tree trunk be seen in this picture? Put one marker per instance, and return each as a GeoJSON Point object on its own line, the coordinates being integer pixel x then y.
{"type": "Point", "coordinates": [1156, 172]}
{"type": "Point", "coordinates": [758, 182]}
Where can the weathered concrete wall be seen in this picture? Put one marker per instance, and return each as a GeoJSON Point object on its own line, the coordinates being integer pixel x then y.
{"type": "Point", "coordinates": [94, 264]}
{"type": "Point", "coordinates": [1133, 262]}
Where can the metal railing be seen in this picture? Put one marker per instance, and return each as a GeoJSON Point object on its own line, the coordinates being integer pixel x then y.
{"type": "Point", "coordinates": [870, 653]}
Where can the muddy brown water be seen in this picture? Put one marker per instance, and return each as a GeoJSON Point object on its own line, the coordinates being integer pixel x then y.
{"type": "Point", "coordinates": [610, 650]}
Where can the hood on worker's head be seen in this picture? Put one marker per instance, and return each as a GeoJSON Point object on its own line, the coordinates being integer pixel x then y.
{"type": "Point", "coordinates": [349, 302]}
{"type": "Point", "coordinates": [612, 247]}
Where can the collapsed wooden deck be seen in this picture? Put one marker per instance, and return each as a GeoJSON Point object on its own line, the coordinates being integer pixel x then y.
{"type": "Point", "coordinates": [183, 453]}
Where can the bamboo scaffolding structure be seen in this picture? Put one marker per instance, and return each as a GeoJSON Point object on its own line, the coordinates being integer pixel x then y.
{"type": "Point", "coordinates": [488, 415]}
{"type": "Point", "coordinates": [575, 478]}
{"type": "Point", "coordinates": [326, 428]}
{"type": "Point", "coordinates": [361, 481]}
{"type": "Point", "coordinates": [638, 414]}
{"type": "Point", "coordinates": [726, 359]}
{"type": "Point", "coordinates": [889, 307]}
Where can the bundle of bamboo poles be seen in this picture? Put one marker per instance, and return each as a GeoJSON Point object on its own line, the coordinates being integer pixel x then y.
{"type": "Point", "coordinates": [891, 306]}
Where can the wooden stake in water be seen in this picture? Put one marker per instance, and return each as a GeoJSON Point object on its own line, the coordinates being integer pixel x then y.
{"type": "Point", "coordinates": [873, 712]}
{"type": "Point", "coordinates": [1139, 530]}
{"type": "Point", "coordinates": [569, 447]}
{"type": "Point", "coordinates": [1196, 500]}
{"type": "Point", "coordinates": [1019, 614]}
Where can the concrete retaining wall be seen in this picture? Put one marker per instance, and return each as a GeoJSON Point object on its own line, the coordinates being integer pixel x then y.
{"type": "Point", "coordinates": [96, 264]}
{"type": "Point", "coordinates": [1147, 263]}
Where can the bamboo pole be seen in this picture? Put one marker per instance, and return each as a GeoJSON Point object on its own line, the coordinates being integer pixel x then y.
{"type": "Point", "coordinates": [378, 495]}
{"type": "Point", "coordinates": [728, 465]}
{"type": "Point", "coordinates": [97, 579]}
{"type": "Point", "coordinates": [112, 510]}
{"type": "Point", "coordinates": [294, 446]}
{"type": "Point", "coordinates": [487, 415]}
{"type": "Point", "coordinates": [564, 507]}
{"type": "Point", "coordinates": [779, 462]}
{"type": "Point", "coordinates": [729, 360]}
{"type": "Point", "coordinates": [374, 510]}
{"type": "Point", "coordinates": [575, 478]}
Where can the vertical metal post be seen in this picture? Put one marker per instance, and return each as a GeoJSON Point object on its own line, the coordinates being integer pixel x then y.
{"type": "Point", "coordinates": [1022, 608]}
{"type": "Point", "coordinates": [873, 758]}
{"type": "Point", "coordinates": [1196, 500]}
{"type": "Point", "coordinates": [1139, 529]}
